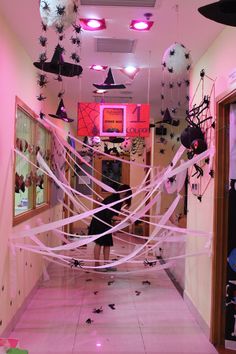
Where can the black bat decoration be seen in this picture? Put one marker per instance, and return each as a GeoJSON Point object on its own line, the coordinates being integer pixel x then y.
{"type": "Point", "coordinates": [171, 70]}
{"type": "Point", "coordinates": [172, 52]}
{"type": "Point", "coordinates": [98, 310]}
{"type": "Point", "coordinates": [199, 198]}
{"type": "Point", "coordinates": [146, 282]}
{"type": "Point", "coordinates": [89, 321]}
{"type": "Point", "coordinates": [112, 306]}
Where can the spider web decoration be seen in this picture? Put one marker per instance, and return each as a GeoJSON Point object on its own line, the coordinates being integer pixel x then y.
{"type": "Point", "coordinates": [200, 175]}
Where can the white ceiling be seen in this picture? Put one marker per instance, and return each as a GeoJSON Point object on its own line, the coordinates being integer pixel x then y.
{"type": "Point", "coordinates": [186, 26]}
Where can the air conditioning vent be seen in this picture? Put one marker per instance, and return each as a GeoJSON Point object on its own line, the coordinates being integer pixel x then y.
{"type": "Point", "coordinates": [128, 3]}
{"type": "Point", "coordinates": [112, 45]}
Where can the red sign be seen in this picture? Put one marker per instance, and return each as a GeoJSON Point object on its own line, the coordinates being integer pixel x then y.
{"type": "Point", "coordinates": [106, 119]}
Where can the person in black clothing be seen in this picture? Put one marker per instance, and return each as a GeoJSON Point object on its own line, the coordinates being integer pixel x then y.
{"type": "Point", "coordinates": [97, 225]}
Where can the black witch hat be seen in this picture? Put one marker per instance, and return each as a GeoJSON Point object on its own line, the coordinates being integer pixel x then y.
{"type": "Point", "coordinates": [61, 113]}
{"type": "Point", "coordinates": [109, 83]}
{"type": "Point", "coordinates": [168, 119]}
{"type": "Point", "coordinates": [58, 66]}
{"type": "Point", "coordinates": [223, 11]}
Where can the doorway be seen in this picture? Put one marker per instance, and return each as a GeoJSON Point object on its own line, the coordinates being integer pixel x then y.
{"type": "Point", "coordinates": [221, 296]}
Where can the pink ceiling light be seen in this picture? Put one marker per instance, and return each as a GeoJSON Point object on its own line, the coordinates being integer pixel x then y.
{"type": "Point", "coordinates": [141, 25]}
{"type": "Point", "coordinates": [92, 24]}
{"type": "Point", "coordinates": [98, 67]}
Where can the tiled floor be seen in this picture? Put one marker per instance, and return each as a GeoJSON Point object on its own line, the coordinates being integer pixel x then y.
{"type": "Point", "coordinates": [155, 321]}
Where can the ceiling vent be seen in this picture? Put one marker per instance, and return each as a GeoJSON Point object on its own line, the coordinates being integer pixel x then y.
{"type": "Point", "coordinates": [129, 3]}
{"type": "Point", "coordinates": [112, 45]}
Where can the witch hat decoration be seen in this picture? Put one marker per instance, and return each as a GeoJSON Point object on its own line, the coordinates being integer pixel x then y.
{"type": "Point", "coordinates": [223, 11]}
{"type": "Point", "coordinates": [109, 83]}
{"type": "Point", "coordinates": [61, 113]}
{"type": "Point", "coordinates": [168, 119]}
{"type": "Point", "coordinates": [58, 66]}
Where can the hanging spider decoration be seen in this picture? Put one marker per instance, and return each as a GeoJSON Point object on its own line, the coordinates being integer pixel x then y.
{"type": "Point", "coordinates": [41, 97]}
{"type": "Point", "coordinates": [75, 40]}
{"type": "Point", "coordinates": [75, 57]}
{"type": "Point", "coordinates": [42, 57]}
{"type": "Point", "coordinates": [77, 28]}
{"type": "Point", "coordinates": [59, 78]}
{"type": "Point", "coordinates": [192, 137]}
{"type": "Point", "coordinates": [43, 41]}
{"type": "Point", "coordinates": [42, 80]}
{"type": "Point", "coordinates": [61, 37]}
{"type": "Point", "coordinates": [75, 8]}
{"type": "Point", "coordinates": [61, 10]}
{"type": "Point", "coordinates": [41, 115]}
{"type": "Point", "coordinates": [61, 94]}
{"type": "Point", "coordinates": [76, 263]}
{"type": "Point", "coordinates": [162, 151]}
{"type": "Point", "coordinates": [44, 27]}
{"type": "Point", "coordinates": [59, 28]}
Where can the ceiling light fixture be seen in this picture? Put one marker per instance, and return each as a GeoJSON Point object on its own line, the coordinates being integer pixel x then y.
{"type": "Point", "coordinates": [98, 67]}
{"type": "Point", "coordinates": [100, 91]}
{"type": "Point", "coordinates": [142, 25]}
{"type": "Point", "coordinates": [92, 24]}
{"type": "Point", "coordinates": [130, 71]}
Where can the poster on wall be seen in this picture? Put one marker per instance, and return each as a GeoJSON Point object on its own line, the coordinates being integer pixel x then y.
{"type": "Point", "coordinates": [106, 119]}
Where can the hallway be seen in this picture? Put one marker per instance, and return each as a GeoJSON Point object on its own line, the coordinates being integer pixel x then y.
{"type": "Point", "coordinates": [145, 318]}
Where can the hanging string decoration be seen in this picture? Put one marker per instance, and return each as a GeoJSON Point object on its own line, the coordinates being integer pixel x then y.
{"type": "Point", "coordinates": [58, 14]}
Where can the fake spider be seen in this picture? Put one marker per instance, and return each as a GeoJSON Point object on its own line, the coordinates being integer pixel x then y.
{"type": "Point", "coordinates": [42, 80]}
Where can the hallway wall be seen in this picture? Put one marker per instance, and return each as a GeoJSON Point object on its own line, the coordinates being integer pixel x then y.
{"type": "Point", "coordinates": [218, 62]}
{"type": "Point", "coordinates": [19, 272]}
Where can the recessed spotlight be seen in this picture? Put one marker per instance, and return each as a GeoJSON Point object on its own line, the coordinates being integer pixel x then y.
{"type": "Point", "coordinates": [100, 91]}
{"type": "Point", "coordinates": [98, 67]}
{"type": "Point", "coordinates": [92, 24]}
{"type": "Point", "coordinates": [140, 25]}
{"type": "Point", "coordinates": [130, 71]}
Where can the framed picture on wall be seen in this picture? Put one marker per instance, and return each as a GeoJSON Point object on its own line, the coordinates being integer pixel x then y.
{"type": "Point", "coordinates": [112, 120]}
